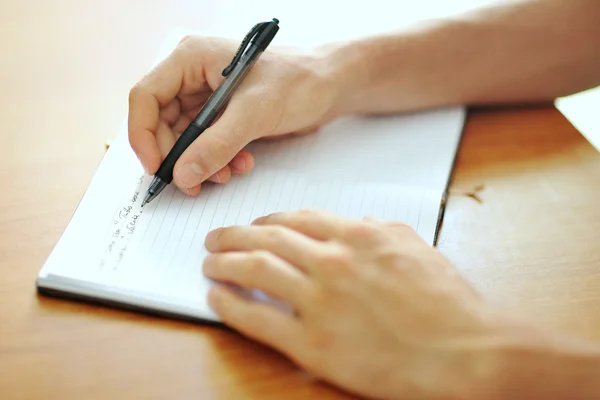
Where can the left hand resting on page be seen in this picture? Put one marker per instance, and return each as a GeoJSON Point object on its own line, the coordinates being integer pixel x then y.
{"type": "Point", "coordinates": [378, 311]}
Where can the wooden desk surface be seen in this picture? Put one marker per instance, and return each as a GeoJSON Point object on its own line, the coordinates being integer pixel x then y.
{"type": "Point", "coordinates": [531, 244]}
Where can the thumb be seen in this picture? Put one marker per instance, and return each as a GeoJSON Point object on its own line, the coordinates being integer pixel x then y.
{"type": "Point", "coordinates": [215, 147]}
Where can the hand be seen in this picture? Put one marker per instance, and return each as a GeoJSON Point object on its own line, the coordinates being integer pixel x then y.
{"type": "Point", "coordinates": [283, 93]}
{"type": "Point", "coordinates": [377, 311]}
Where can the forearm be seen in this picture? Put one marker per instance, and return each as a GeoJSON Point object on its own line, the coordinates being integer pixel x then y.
{"type": "Point", "coordinates": [524, 51]}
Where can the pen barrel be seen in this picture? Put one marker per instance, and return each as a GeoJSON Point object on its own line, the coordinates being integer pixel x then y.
{"type": "Point", "coordinates": [217, 101]}
{"type": "Point", "coordinates": [165, 172]}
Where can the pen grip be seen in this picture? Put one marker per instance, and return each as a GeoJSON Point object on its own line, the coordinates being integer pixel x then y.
{"type": "Point", "coordinates": [165, 172]}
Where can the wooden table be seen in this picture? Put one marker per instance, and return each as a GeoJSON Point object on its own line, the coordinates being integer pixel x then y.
{"type": "Point", "coordinates": [530, 244]}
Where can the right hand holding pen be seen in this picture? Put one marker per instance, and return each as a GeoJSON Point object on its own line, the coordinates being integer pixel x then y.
{"type": "Point", "coordinates": [284, 93]}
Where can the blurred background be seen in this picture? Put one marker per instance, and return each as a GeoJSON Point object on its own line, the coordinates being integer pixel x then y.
{"type": "Point", "coordinates": [66, 66]}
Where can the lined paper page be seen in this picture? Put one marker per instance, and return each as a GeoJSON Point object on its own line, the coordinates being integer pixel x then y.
{"type": "Point", "coordinates": [388, 167]}
{"type": "Point", "coordinates": [408, 150]}
{"type": "Point", "coordinates": [160, 248]}
{"type": "Point", "coordinates": [392, 168]}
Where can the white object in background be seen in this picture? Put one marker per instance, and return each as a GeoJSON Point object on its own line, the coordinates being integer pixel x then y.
{"type": "Point", "coordinates": [582, 110]}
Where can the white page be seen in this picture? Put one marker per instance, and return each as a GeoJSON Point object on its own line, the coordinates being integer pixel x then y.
{"type": "Point", "coordinates": [393, 168]}
{"type": "Point", "coordinates": [389, 168]}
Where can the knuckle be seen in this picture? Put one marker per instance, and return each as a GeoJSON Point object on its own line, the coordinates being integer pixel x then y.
{"type": "Point", "coordinates": [360, 231]}
{"type": "Point", "coordinates": [337, 258]}
{"type": "Point", "coordinates": [403, 258]}
{"type": "Point", "coordinates": [389, 258]}
{"type": "Point", "coordinates": [185, 39]}
{"type": "Point", "coordinates": [402, 263]}
{"type": "Point", "coordinates": [303, 213]}
{"type": "Point", "coordinates": [134, 93]}
{"type": "Point", "coordinates": [188, 45]}
{"type": "Point", "coordinates": [258, 261]}
{"type": "Point", "coordinates": [272, 233]}
{"type": "Point", "coordinates": [298, 219]}
{"type": "Point", "coordinates": [287, 217]}
{"type": "Point", "coordinates": [402, 228]}
{"type": "Point", "coordinates": [407, 256]}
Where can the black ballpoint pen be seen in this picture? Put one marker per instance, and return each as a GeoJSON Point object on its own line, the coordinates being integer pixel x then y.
{"type": "Point", "coordinates": [253, 45]}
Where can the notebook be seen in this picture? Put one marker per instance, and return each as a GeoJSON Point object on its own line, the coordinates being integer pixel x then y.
{"type": "Point", "coordinates": [114, 252]}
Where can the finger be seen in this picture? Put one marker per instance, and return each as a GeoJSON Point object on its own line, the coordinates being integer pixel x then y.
{"type": "Point", "coordinates": [164, 138]}
{"type": "Point", "coordinates": [259, 270]}
{"type": "Point", "coordinates": [195, 191]}
{"type": "Point", "coordinates": [245, 161]}
{"type": "Point", "coordinates": [219, 144]}
{"type": "Point", "coordinates": [223, 176]}
{"type": "Point", "coordinates": [170, 113]}
{"type": "Point", "coordinates": [257, 321]}
{"type": "Point", "coordinates": [394, 227]}
{"type": "Point", "coordinates": [146, 98]}
{"type": "Point", "coordinates": [156, 90]}
{"type": "Point", "coordinates": [193, 102]}
{"type": "Point", "coordinates": [317, 224]}
{"type": "Point", "coordinates": [242, 163]}
{"type": "Point", "coordinates": [295, 248]}
{"type": "Point", "coordinates": [183, 121]}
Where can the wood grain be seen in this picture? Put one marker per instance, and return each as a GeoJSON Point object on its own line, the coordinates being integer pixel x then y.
{"type": "Point", "coordinates": [530, 245]}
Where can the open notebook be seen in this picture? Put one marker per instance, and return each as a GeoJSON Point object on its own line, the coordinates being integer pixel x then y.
{"type": "Point", "coordinates": [115, 252]}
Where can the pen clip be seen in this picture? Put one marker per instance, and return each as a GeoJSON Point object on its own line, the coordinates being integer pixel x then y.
{"type": "Point", "coordinates": [256, 29]}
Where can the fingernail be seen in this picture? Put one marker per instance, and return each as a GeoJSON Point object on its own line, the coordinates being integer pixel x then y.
{"type": "Point", "coordinates": [212, 239]}
{"type": "Point", "coordinates": [217, 178]}
{"type": "Point", "coordinates": [257, 221]}
{"type": "Point", "coordinates": [239, 163]}
{"type": "Point", "coordinates": [190, 174]}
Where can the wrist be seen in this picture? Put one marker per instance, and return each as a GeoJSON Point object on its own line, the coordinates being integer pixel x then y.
{"type": "Point", "coordinates": [386, 73]}
{"type": "Point", "coordinates": [519, 360]}
{"type": "Point", "coordinates": [346, 73]}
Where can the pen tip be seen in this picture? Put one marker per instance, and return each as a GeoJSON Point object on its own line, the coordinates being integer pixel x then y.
{"type": "Point", "coordinates": [147, 199]}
